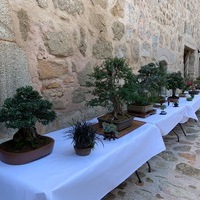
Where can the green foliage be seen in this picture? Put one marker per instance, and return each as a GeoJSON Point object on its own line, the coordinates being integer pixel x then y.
{"type": "Point", "coordinates": [163, 107]}
{"type": "Point", "coordinates": [109, 86]}
{"type": "Point", "coordinates": [25, 109]}
{"type": "Point", "coordinates": [153, 77]}
{"type": "Point", "coordinates": [175, 81]}
{"type": "Point", "coordinates": [188, 84]}
{"type": "Point", "coordinates": [148, 84]}
{"type": "Point", "coordinates": [109, 127]}
{"type": "Point", "coordinates": [83, 135]}
{"type": "Point", "coordinates": [197, 81]}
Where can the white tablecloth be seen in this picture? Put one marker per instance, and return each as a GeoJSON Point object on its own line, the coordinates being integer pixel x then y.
{"type": "Point", "coordinates": [65, 176]}
{"type": "Point", "coordinates": [174, 115]}
{"type": "Point", "coordinates": [192, 107]}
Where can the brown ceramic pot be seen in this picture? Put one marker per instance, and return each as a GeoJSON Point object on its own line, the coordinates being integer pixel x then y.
{"type": "Point", "coordinates": [82, 152]}
{"type": "Point", "coordinates": [26, 157]}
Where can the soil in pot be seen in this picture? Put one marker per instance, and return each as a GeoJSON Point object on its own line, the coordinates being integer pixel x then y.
{"type": "Point", "coordinates": [11, 154]}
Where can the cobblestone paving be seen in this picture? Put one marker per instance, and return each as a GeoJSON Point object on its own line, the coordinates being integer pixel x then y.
{"type": "Point", "coordinates": [175, 172]}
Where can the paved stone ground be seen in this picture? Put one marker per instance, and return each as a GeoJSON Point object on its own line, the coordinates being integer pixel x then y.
{"type": "Point", "coordinates": [175, 172]}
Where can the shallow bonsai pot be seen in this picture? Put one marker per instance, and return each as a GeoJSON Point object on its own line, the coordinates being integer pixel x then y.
{"type": "Point", "coordinates": [182, 95]}
{"type": "Point", "coordinates": [163, 112]}
{"type": "Point", "coordinates": [18, 158]}
{"type": "Point", "coordinates": [195, 92]}
{"type": "Point", "coordinates": [121, 124]}
{"type": "Point", "coordinates": [139, 109]}
{"type": "Point", "coordinates": [82, 152]}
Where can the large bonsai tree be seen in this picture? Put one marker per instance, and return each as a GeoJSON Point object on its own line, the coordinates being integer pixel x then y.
{"type": "Point", "coordinates": [23, 111]}
{"type": "Point", "coordinates": [175, 81]}
{"type": "Point", "coordinates": [150, 80]}
{"type": "Point", "coordinates": [109, 85]}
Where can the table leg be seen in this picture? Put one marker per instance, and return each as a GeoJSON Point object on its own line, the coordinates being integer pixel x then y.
{"type": "Point", "coordinates": [139, 179]}
{"type": "Point", "coordinates": [182, 129]}
{"type": "Point", "coordinates": [176, 135]}
{"type": "Point", "coordinates": [149, 166]}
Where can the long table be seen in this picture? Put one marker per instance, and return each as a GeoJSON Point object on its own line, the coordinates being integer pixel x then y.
{"type": "Point", "coordinates": [174, 116]}
{"type": "Point", "coordinates": [64, 175]}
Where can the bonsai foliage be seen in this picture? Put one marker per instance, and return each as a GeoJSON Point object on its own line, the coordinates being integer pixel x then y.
{"type": "Point", "coordinates": [83, 135]}
{"type": "Point", "coordinates": [109, 127]}
{"type": "Point", "coordinates": [175, 81]}
{"type": "Point", "coordinates": [188, 84]}
{"type": "Point", "coordinates": [153, 76]}
{"type": "Point", "coordinates": [109, 85]}
{"type": "Point", "coordinates": [23, 111]}
{"type": "Point", "coordinates": [151, 79]}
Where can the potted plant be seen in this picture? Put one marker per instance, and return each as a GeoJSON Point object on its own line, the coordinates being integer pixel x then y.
{"type": "Point", "coordinates": [187, 86]}
{"type": "Point", "coordinates": [197, 83]}
{"type": "Point", "coordinates": [83, 137]}
{"type": "Point", "coordinates": [22, 112]}
{"type": "Point", "coordinates": [110, 131]}
{"type": "Point", "coordinates": [150, 81]}
{"type": "Point", "coordinates": [189, 98]}
{"type": "Point", "coordinates": [163, 107]}
{"type": "Point", "coordinates": [141, 100]}
{"type": "Point", "coordinates": [108, 85]}
{"type": "Point", "coordinates": [194, 85]}
{"type": "Point", "coordinates": [174, 81]}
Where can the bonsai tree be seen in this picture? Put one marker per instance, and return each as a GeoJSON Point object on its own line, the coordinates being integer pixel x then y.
{"type": "Point", "coordinates": [163, 107]}
{"type": "Point", "coordinates": [22, 112]}
{"type": "Point", "coordinates": [83, 137]}
{"type": "Point", "coordinates": [153, 77]}
{"type": "Point", "coordinates": [188, 83]}
{"type": "Point", "coordinates": [197, 82]}
{"type": "Point", "coordinates": [175, 81]}
{"type": "Point", "coordinates": [147, 87]}
{"type": "Point", "coordinates": [109, 83]}
{"type": "Point", "coordinates": [110, 131]}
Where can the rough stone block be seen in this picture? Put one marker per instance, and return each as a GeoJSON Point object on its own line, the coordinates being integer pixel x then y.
{"type": "Point", "coordinates": [83, 75]}
{"type": "Point", "coordinates": [23, 23]}
{"type": "Point", "coordinates": [71, 7]}
{"type": "Point", "coordinates": [14, 71]}
{"type": "Point", "coordinates": [59, 44]}
{"type": "Point", "coordinates": [98, 21]}
{"type": "Point", "coordinates": [78, 96]}
{"type": "Point", "coordinates": [118, 9]}
{"type": "Point", "coordinates": [6, 26]}
{"type": "Point", "coordinates": [102, 3]}
{"type": "Point", "coordinates": [102, 49]}
{"type": "Point", "coordinates": [118, 30]}
{"type": "Point", "coordinates": [51, 69]}
{"type": "Point", "coordinates": [42, 3]}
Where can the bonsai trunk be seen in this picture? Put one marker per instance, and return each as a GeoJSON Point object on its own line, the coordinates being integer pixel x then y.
{"type": "Point", "coordinates": [174, 93]}
{"type": "Point", "coordinates": [117, 107]}
{"type": "Point", "coordinates": [26, 135]}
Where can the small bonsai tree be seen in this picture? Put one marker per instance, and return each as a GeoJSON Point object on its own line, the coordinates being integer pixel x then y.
{"type": "Point", "coordinates": [23, 111]}
{"type": "Point", "coordinates": [110, 131]}
{"type": "Point", "coordinates": [175, 81]}
{"type": "Point", "coordinates": [109, 83]}
{"type": "Point", "coordinates": [188, 83]}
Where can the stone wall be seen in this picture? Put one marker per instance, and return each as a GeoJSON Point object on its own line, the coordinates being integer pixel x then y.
{"type": "Point", "coordinates": [58, 42]}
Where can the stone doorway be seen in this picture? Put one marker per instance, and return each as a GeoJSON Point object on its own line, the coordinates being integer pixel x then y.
{"type": "Point", "coordinates": [189, 61]}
